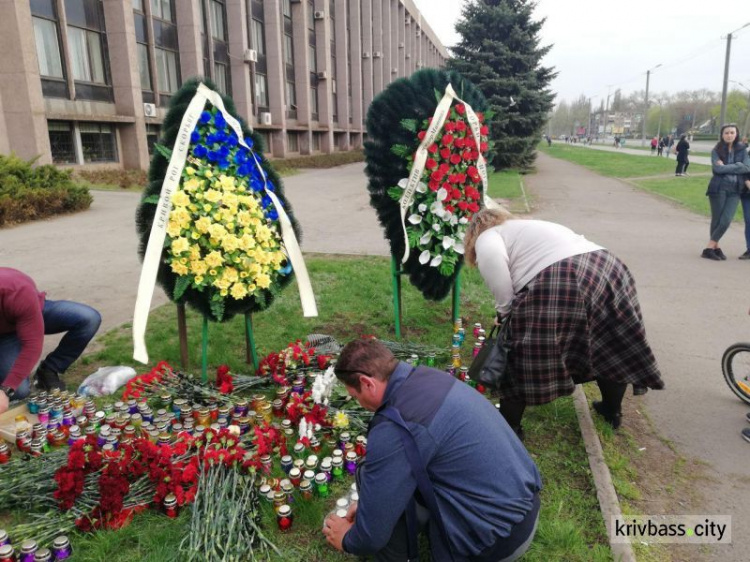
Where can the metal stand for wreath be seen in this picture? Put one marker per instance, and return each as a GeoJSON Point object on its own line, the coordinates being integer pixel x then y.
{"type": "Point", "coordinates": [251, 355]}
{"type": "Point", "coordinates": [396, 274]}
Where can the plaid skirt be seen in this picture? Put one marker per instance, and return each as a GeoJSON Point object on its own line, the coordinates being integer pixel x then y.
{"type": "Point", "coordinates": [577, 320]}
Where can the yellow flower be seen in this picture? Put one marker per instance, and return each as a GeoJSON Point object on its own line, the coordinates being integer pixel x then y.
{"type": "Point", "coordinates": [198, 267]}
{"type": "Point", "coordinates": [208, 174]}
{"type": "Point", "coordinates": [198, 279]}
{"type": "Point", "coordinates": [230, 200]}
{"type": "Point", "coordinates": [180, 199]}
{"type": "Point", "coordinates": [179, 268]}
{"type": "Point", "coordinates": [247, 242]}
{"type": "Point", "coordinates": [217, 231]}
{"type": "Point", "coordinates": [341, 420]}
{"type": "Point", "coordinates": [180, 245]}
{"type": "Point", "coordinates": [239, 291]}
{"type": "Point", "coordinates": [195, 252]}
{"type": "Point", "coordinates": [212, 195]}
{"type": "Point", "coordinates": [212, 272]}
{"type": "Point", "coordinates": [230, 243]}
{"type": "Point", "coordinates": [203, 224]}
{"type": "Point", "coordinates": [262, 233]}
{"type": "Point", "coordinates": [263, 281]}
{"type": "Point", "coordinates": [243, 218]}
{"type": "Point", "coordinates": [195, 235]}
{"type": "Point", "coordinates": [226, 182]}
{"type": "Point", "coordinates": [173, 229]}
{"type": "Point", "coordinates": [231, 275]}
{"type": "Point", "coordinates": [189, 171]}
{"type": "Point", "coordinates": [221, 284]}
{"type": "Point", "coordinates": [207, 208]}
{"type": "Point", "coordinates": [223, 292]}
{"type": "Point", "coordinates": [214, 259]}
{"type": "Point", "coordinates": [192, 184]}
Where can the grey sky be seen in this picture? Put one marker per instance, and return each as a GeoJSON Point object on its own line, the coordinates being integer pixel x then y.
{"type": "Point", "coordinates": [602, 42]}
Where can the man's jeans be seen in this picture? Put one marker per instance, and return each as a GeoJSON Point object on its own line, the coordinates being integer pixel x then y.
{"type": "Point", "coordinates": [79, 321]}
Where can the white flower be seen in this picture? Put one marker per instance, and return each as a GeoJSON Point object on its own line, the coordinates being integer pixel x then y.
{"type": "Point", "coordinates": [422, 207]}
{"type": "Point", "coordinates": [436, 227]}
{"type": "Point", "coordinates": [425, 237]}
{"type": "Point", "coordinates": [462, 235]}
{"type": "Point", "coordinates": [447, 216]}
{"type": "Point", "coordinates": [459, 248]}
{"type": "Point", "coordinates": [421, 187]}
{"type": "Point", "coordinates": [323, 386]}
{"type": "Point", "coordinates": [437, 208]}
{"type": "Point", "coordinates": [463, 220]}
{"type": "Point", "coordinates": [415, 219]}
{"type": "Point", "coordinates": [448, 242]}
{"type": "Point", "coordinates": [442, 194]}
{"type": "Point", "coordinates": [424, 257]}
{"type": "Point", "coordinates": [402, 183]}
{"type": "Point", "coordinates": [454, 220]}
{"type": "Point", "coordinates": [436, 261]}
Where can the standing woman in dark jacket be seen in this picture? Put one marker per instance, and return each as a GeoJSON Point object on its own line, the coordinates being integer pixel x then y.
{"type": "Point", "coordinates": [682, 149]}
{"type": "Point", "coordinates": [729, 161]}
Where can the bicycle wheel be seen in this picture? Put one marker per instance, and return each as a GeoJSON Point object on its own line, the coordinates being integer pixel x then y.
{"type": "Point", "coordinates": [735, 364]}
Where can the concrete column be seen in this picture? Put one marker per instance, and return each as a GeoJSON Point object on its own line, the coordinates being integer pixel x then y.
{"type": "Point", "coordinates": [355, 15]}
{"type": "Point", "coordinates": [239, 69]}
{"type": "Point", "coordinates": [377, 46]}
{"type": "Point", "coordinates": [367, 84]}
{"type": "Point", "coordinates": [275, 64]}
{"type": "Point", "coordinates": [20, 84]}
{"type": "Point", "coordinates": [4, 139]}
{"type": "Point", "coordinates": [126, 82]}
{"type": "Point", "coordinates": [301, 68]}
{"type": "Point", "coordinates": [393, 51]}
{"type": "Point", "coordinates": [325, 90]}
{"type": "Point", "coordinates": [189, 39]}
{"type": "Point", "coordinates": [343, 78]}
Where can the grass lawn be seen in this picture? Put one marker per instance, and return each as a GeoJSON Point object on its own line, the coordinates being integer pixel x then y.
{"type": "Point", "coordinates": [648, 149]}
{"type": "Point", "coordinates": [355, 299]}
{"type": "Point", "coordinates": [617, 165]}
{"type": "Point", "coordinates": [508, 185]}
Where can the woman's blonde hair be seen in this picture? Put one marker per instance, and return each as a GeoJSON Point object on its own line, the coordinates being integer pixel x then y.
{"type": "Point", "coordinates": [483, 220]}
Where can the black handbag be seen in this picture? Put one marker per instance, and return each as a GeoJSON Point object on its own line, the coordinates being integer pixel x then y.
{"type": "Point", "coordinates": [490, 366]}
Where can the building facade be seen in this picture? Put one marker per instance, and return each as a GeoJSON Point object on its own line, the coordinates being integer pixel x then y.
{"type": "Point", "coordinates": [88, 82]}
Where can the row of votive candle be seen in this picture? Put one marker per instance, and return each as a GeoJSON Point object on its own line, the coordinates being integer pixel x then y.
{"type": "Point", "coordinates": [29, 551]}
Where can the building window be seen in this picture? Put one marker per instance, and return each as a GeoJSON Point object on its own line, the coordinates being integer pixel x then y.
{"type": "Point", "coordinates": [291, 95]}
{"type": "Point", "coordinates": [86, 55]}
{"type": "Point", "coordinates": [218, 29]}
{"type": "Point", "coordinates": [266, 138]}
{"type": "Point", "coordinates": [166, 71]}
{"type": "Point", "coordinates": [144, 67]}
{"type": "Point", "coordinates": [316, 142]}
{"type": "Point", "coordinates": [261, 90]}
{"type": "Point", "coordinates": [98, 142]}
{"type": "Point", "coordinates": [220, 77]}
{"type": "Point", "coordinates": [161, 9]}
{"type": "Point", "coordinates": [292, 141]}
{"type": "Point", "coordinates": [314, 106]}
{"type": "Point", "coordinates": [62, 142]}
{"type": "Point", "coordinates": [152, 136]}
{"type": "Point", "coordinates": [288, 50]}
{"type": "Point", "coordinates": [258, 37]}
{"type": "Point", "coordinates": [47, 48]}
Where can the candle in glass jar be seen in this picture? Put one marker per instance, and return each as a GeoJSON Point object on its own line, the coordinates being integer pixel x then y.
{"type": "Point", "coordinates": [477, 327]}
{"type": "Point", "coordinates": [295, 476]}
{"type": "Point", "coordinates": [287, 463]}
{"type": "Point", "coordinates": [28, 549]}
{"type": "Point", "coordinates": [170, 506]}
{"type": "Point", "coordinates": [4, 452]}
{"type": "Point", "coordinates": [61, 548]}
{"type": "Point", "coordinates": [284, 518]}
{"type": "Point", "coordinates": [7, 553]}
{"type": "Point", "coordinates": [4, 539]}
{"type": "Point", "coordinates": [312, 462]}
{"type": "Point", "coordinates": [325, 467]}
{"type": "Point", "coordinates": [43, 555]}
{"type": "Point", "coordinates": [306, 489]}
{"type": "Point", "coordinates": [321, 485]}
{"type": "Point", "coordinates": [337, 468]}
{"type": "Point", "coordinates": [351, 462]}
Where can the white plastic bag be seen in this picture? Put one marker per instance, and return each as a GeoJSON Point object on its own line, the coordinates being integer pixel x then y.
{"type": "Point", "coordinates": [106, 380]}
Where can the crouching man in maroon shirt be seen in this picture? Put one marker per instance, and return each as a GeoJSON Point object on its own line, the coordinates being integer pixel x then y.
{"type": "Point", "coordinates": [25, 317]}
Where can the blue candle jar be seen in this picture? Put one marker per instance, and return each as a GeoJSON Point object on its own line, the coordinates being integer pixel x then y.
{"type": "Point", "coordinates": [61, 548]}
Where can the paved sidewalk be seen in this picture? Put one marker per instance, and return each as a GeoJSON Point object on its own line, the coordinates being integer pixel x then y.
{"type": "Point", "coordinates": [693, 159]}
{"type": "Point", "coordinates": [693, 309]}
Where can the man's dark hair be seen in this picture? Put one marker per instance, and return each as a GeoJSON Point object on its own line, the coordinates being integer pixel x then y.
{"type": "Point", "coordinates": [364, 357]}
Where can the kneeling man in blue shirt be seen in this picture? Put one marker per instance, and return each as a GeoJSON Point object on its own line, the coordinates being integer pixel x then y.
{"type": "Point", "coordinates": [438, 454]}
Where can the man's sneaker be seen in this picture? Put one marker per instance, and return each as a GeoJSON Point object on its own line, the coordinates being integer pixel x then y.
{"type": "Point", "coordinates": [47, 379]}
{"type": "Point", "coordinates": [615, 420]}
{"type": "Point", "coordinates": [639, 390]}
{"type": "Point", "coordinates": [745, 256]}
{"type": "Point", "coordinates": [710, 254]}
{"type": "Point", "coordinates": [746, 434]}
{"type": "Point", "coordinates": [719, 253]}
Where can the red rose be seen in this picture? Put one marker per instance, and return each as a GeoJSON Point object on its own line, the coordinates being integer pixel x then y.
{"type": "Point", "coordinates": [480, 116]}
{"type": "Point", "coordinates": [460, 109]}
{"type": "Point", "coordinates": [483, 146]}
{"type": "Point", "coordinates": [433, 148]}
{"type": "Point", "coordinates": [472, 171]}
{"type": "Point", "coordinates": [433, 185]}
{"type": "Point", "coordinates": [453, 178]}
{"type": "Point", "coordinates": [449, 126]}
{"type": "Point", "coordinates": [466, 155]}
{"type": "Point", "coordinates": [444, 168]}
{"type": "Point", "coordinates": [450, 208]}
{"type": "Point", "coordinates": [484, 130]}
{"type": "Point", "coordinates": [447, 186]}
{"type": "Point", "coordinates": [459, 143]}
{"type": "Point", "coordinates": [473, 207]}
{"type": "Point", "coordinates": [422, 135]}
{"type": "Point", "coordinates": [437, 175]}
{"type": "Point", "coordinates": [456, 193]}
{"type": "Point", "coordinates": [475, 155]}
{"type": "Point", "coordinates": [455, 159]}
{"type": "Point", "coordinates": [460, 126]}
{"type": "Point", "coordinates": [447, 139]}
{"type": "Point", "coordinates": [445, 153]}
{"type": "Point", "coordinates": [430, 164]}
{"type": "Point", "coordinates": [462, 205]}
{"type": "Point", "coordinates": [461, 178]}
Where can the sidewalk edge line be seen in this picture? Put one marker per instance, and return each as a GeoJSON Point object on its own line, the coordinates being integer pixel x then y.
{"type": "Point", "coordinates": [605, 489]}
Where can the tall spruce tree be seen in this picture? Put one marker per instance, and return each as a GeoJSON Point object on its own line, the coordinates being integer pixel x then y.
{"type": "Point", "coordinates": [499, 52]}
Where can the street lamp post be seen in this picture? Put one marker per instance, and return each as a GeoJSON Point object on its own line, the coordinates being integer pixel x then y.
{"type": "Point", "coordinates": [726, 75]}
{"type": "Point", "coordinates": [645, 111]}
{"type": "Point", "coordinates": [588, 126]}
{"type": "Point", "coordinates": [747, 113]}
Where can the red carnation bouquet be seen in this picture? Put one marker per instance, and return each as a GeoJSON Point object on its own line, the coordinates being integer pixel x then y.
{"type": "Point", "coordinates": [450, 190]}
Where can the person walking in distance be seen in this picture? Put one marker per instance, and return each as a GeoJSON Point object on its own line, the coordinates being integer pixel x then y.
{"type": "Point", "coordinates": [683, 147]}
{"type": "Point", "coordinates": [729, 161]}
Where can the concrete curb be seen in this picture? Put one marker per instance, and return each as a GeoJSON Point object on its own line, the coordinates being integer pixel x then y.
{"type": "Point", "coordinates": [605, 490]}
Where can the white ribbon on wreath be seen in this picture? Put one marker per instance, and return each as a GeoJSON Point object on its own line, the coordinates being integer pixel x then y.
{"type": "Point", "coordinates": [415, 176]}
{"type": "Point", "coordinates": [158, 233]}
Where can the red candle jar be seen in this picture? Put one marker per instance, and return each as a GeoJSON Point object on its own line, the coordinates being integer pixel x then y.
{"type": "Point", "coordinates": [4, 452]}
{"type": "Point", "coordinates": [170, 506]}
{"type": "Point", "coordinates": [284, 518]}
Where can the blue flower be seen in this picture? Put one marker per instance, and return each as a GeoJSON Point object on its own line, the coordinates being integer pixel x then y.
{"type": "Point", "coordinates": [266, 202]}
{"type": "Point", "coordinates": [239, 158]}
{"type": "Point", "coordinates": [219, 121]}
{"type": "Point", "coordinates": [256, 185]}
{"type": "Point", "coordinates": [195, 136]}
{"type": "Point", "coordinates": [244, 170]}
{"type": "Point", "coordinates": [223, 164]}
{"type": "Point", "coordinates": [217, 138]}
{"type": "Point", "coordinates": [205, 117]}
{"type": "Point", "coordinates": [249, 142]}
{"type": "Point", "coordinates": [286, 270]}
{"type": "Point", "coordinates": [273, 215]}
{"type": "Point", "coordinates": [214, 156]}
{"type": "Point", "coordinates": [200, 151]}
{"type": "Point", "coordinates": [270, 186]}
{"type": "Point", "coordinates": [232, 140]}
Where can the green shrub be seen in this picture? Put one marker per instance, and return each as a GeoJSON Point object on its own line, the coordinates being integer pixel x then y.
{"type": "Point", "coordinates": [29, 193]}
{"type": "Point", "coordinates": [319, 160]}
{"type": "Point", "coordinates": [120, 178]}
